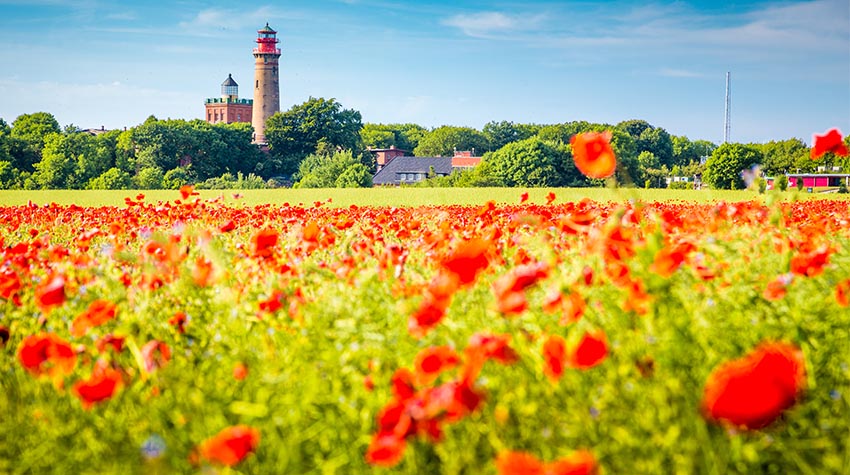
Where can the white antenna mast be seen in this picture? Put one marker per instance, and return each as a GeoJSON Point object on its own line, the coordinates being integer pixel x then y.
{"type": "Point", "coordinates": [727, 123]}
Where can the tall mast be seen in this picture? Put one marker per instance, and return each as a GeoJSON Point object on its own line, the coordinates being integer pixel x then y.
{"type": "Point", "coordinates": [727, 123]}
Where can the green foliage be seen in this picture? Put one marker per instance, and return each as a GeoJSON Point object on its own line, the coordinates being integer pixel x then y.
{"type": "Point", "coordinates": [150, 178]}
{"type": "Point", "coordinates": [402, 136]}
{"type": "Point", "coordinates": [32, 131]}
{"type": "Point", "coordinates": [502, 133]}
{"type": "Point", "coordinates": [71, 160]}
{"type": "Point", "coordinates": [443, 141]}
{"type": "Point", "coordinates": [649, 138]}
{"type": "Point", "coordinates": [177, 177]}
{"type": "Point", "coordinates": [842, 188]}
{"type": "Point", "coordinates": [338, 170]}
{"type": "Point", "coordinates": [296, 133]}
{"type": "Point", "coordinates": [781, 182]}
{"type": "Point", "coordinates": [533, 163]}
{"type": "Point", "coordinates": [786, 156]}
{"type": "Point", "coordinates": [228, 181]}
{"type": "Point", "coordinates": [681, 185]}
{"type": "Point", "coordinates": [112, 179]}
{"type": "Point", "coordinates": [723, 169]}
{"type": "Point", "coordinates": [799, 184]}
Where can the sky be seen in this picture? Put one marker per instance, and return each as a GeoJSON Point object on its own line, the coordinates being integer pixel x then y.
{"type": "Point", "coordinates": [94, 63]}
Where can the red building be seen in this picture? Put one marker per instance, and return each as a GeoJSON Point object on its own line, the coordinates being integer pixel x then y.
{"type": "Point", "coordinates": [819, 180]}
{"type": "Point", "coordinates": [228, 108]}
{"type": "Point", "coordinates": [384, 155]}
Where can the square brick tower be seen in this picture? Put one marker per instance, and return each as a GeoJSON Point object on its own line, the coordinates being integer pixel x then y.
{"type": "Point", "coordinates": [229, 108]}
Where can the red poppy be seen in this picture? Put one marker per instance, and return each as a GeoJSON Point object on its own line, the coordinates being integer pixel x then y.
{"type": "Point", "coordinates": [240, 371]}
{"type": "Point", "coordinates": [778, 287]}
{"type": "Point", "coordinates": [187, 190]}
{"type": "Point", "coordinates": [829, 142]}
{"type": "Point", "coordinates": [228, 226]}
{"type": "Point", "coordinates": [10, 283]}
{"type": "Point", "coordinates": [523, 197]}
{"type": "Point", "coordinates": [468, 259]}
{"type": "Point", "coordinates": [263, 243]}
{"type": "Point", "coordinates": [178, 321]}
{"type": "Point", "coordinates": [755, 390]}
{"type": "Point", "coordinates": [550, 198]}
{"type": "Point", "coordinates": [202, 273]}
{"type": "Point", "coordinates": [97, 313]}
{"type": "Point", "coordinates": [46, 353]}
{"type": "Point", "coordinates": [51, 292]}
{"type": "Point", "coordinates": [100, 386]}
{"type": "Point", "coordinates": [581, 462]}
{"type": "Point", "coordinates": [155, 355]}
{"type": "Point", "coordinates": [593, 155]}
{"type": "Point", "coordinates": [811, 263]}
{"type": "Point", "coordinates": [385, 450]}
{"type": "Point", "coordinates": [115, 342]}
{"type": "Point", "coordinates": [667, 260]}
{"type": "Point", "coordinates": [518, 463]}
{"type": "Point", "coordinates": [590, 351]}
{"type": "Point", "coordinates": [842, 293]}
{"type": "Point", "coordinates": [554, 357]}
{"type": "Point", "coordinates": [432, 361]}
{"type": "Point", "coordinates": [231, 445]}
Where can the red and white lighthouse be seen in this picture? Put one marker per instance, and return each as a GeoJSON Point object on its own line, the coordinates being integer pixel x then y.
{"type": "Point", "coordinates": [266, 82]}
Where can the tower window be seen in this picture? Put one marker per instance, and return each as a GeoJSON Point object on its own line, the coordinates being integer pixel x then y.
{"type": "Point", "coordinates": [257, 86]}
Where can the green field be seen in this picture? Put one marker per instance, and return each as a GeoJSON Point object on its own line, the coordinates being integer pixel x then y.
{"type": "Point", "coordinates": [343, 197]}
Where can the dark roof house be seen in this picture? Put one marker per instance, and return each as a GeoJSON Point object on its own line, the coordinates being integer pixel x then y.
{"type": "Point", "coordinates": [400, 170]}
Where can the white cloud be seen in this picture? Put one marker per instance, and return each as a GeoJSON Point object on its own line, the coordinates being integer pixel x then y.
{"type": "Point", "coordinates": [487, 24]}
{"type": "Point", "coordinates": [679, 73]}
{"type": "Point", "coordinates": [227, 19]}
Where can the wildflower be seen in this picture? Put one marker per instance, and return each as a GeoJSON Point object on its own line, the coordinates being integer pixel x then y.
{"type": "Point", "coordinates": [432, 361]}
{"type": "Point", "coordinates": [554, 357]}
{"type": "Point", "coordinates": [755, 390]}
{"type": "Point", "coordinates": [580, 462]}
{"type": "Point", "coordinates": [51, 292]}
{"type": "Point", "coordinates": [47, 353]}
{"type": "Point", "coordinates": [240, 371]}
{"type": "Point", "coordinates": [828, 142]}
{"type": "Point", "coordinates": [590, 351]}
{"type": "Point", "coordinates": [231, 445]}
{"type": "Point", "coordinates": [467, 259]}
{"type": "Point", "coordinates": [593, 155]}
{"type": "Point", "coordinates": [100, 386]}
{"type": "Point", "coordinates": [97, 313]}
{"type": "Point", "coordinates": [842, 293]}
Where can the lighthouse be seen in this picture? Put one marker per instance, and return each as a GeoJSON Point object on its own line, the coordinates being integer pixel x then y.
{"type": "Point", "coordinates": [266, 82]}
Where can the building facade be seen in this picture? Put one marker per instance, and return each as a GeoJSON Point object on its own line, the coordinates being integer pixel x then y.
{"type": "Point", "coordinates": [228, 108]}
{"type": "Point", "coordinates": [266, 81]}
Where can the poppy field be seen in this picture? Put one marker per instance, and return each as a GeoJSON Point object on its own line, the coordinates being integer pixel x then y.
{"type": "Point", "coordinates": [565, 337]}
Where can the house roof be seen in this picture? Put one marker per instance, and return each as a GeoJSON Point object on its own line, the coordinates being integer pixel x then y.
{"type": "Point", "coordinates": [389, 174]}
{"type": "Point", "coordinates": [229, 81]}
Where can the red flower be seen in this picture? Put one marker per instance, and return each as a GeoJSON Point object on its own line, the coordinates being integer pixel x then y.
{"type": "Point", "coordinates": [591, 350]}
{"type": "Point", "coordinates": [385, 450]}
{"type": "Point", "coordinates": [99, 387]}
{"type": "Point", "coordinates": [468, 259]}
{"type": "Point", "coordinates": [231, 445]}
{"type": "Point", "coordinates": [811, 263]}
{"type": "Point", "coordinates": [187, 190]}
{"type": "Point", "coordinates": [554, 357]}
{"type": "Point", "coordinates": [581, 462]}
{"type": "Point", "coordinates": [155, 355]}
{"type": "Point", "coordinates": [10, 283]}
{"type": "Point", "coordinates": [550, 198]}
{"type": "Point", "coordinates": [178, 321]}
{"type": "Point", "coordinates": [667, 260]}
{"type": "Point", "coordinates": [523, 197]}
{"type": "Point", "coordinates": [828, 142]}
{"type": "Point", "coordinates": [98, 313]}
{"type": "Point", "coordinates": [842, 293]}
{"type": "Point", "coordinates": [51, 292]}
{"type": "Point", "coordinates": [778, 287]}
{"type": "Point", "coordinates": [593, 155]}
{"type": "Point", "coordinates": [754, 390]}
{"type": "Point", "coordinates": [228, 226]}
{"type": "Point", "coordinates": [263, 243]}
{"type": "Point", "coordinates": [240, 371]}
{"type": "Point", "coordinates": [47, 353]}
{"type": "Point", "coordinates": [432, 361]}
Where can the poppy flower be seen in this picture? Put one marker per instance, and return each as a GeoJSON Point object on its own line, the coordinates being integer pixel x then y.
{"type": "Point", "coordinates": [187, 190]}
{"type": "Point", "coordinates": [811, 263]}
{"type": "Point", "coordinates": [231, 445]}
{"type": "Point", "coordinates": [829, 142]}
{"type": "Point", "coordinates": [46, 353]}
{"type": "Point", "coordinates": [97, 313]}
{"type": "Point", "coordinates": [580, 462]}
{"type": "Point", "coordinates": [10, 283]}
{"type": "Point", "coordinates": [842, 293]}
{"type": "Point", "coordinates": [593, 155]}
{"type": "Point", "coordinates": [518, 463]}
{"type": "Point", "coordinates": [432, 361]}
{"type": "Point", "coordinates": [51, 292]}
{"type": "Point", "coordinates": [155, 355]}
{"type": "Point", "coordinates": [590, 351]}
{"type": "Point", "coordinates": [550, 198]}
{"type": "Point", "coordinates": [755, 390]}
{"type": "Point", "coordinates": [554, 357]}
{"type": "Point", "coordinates": [468, 259]}
{"type": "Point", "coordinates": [240, 371]}
{"type": "Point", "coordinates": [523, 197]}
{"type": "Point", "coordinates": [99, 387]}
{"type": "Point", "coordinates": [667, 260]}
{"type": "Point", "coordinates": [778, 287]}
{"type": "Point", "coordinates": [202, 273]}
{"type": "Point", "coordinates": [263, 243]}
{"type": "Point", "coordinates": [385, 450]}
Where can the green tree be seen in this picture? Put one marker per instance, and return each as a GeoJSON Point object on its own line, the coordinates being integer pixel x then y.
{"type": "Point", "coordinates": [150, 178]}
{"type": "Point", "coordinates": [296, 133]}
{"type": "Point", "coordinates": [533, 162]}
{"type": "Point", "coordinates": [723, 169]}
{"type": "Point", "coordinates": [32, 130]}
{"type": "Point", "coordinates": [443, 141]}
{"type": "Point", "coordinates": [502, 133]}
{"type": "Point", "coordinates": [337, 170]}
{"type": "Point", "coordinates": [649, 138]}
{"type": "Point", "coordinates": [112, 179]}
{"type": "Point", "coordinates": [177, 177]}
{"type": "Point", "coordinates": [69, 161]}
{"type": "Point", "coordinates": [785, 156]}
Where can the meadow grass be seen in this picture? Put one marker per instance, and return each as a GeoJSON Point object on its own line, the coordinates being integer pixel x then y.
{"type": "Point", "coordinates": [344, 197]}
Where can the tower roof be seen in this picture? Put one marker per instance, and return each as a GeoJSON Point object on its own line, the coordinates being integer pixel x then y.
{"type": "Point", "coordinates": [266, 29]}
{"type": "Point", "coordinates": [229, 81]}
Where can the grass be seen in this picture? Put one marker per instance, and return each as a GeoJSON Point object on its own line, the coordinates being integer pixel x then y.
{"type": "Point", "coordinates": [344, 197]}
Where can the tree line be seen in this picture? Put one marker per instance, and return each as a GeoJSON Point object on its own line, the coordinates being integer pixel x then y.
{"type": "Point", "coordinates": [321, 144]}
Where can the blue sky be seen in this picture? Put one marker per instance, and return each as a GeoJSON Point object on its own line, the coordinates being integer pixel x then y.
{"type": "Point", "coordinates": [460, 62]}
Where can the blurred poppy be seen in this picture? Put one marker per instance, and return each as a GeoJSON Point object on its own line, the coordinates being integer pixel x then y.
{"type": "Point", "coordinates": [97, 313]}
{"type": "Point", "coordinates": [100, 386]}
{"type": "Point", "coordinates": [240, 371]}
{"type": "Point", "coordinates": [468, 259]}
{"type": "Point", "coordinates": [554, 357]}
{"type": "Point", "coordinates": [432, 361]}
{"type": "Point", "coordinates": [385, 450]}
{"type": "Point", "coordinates": [842, 293]}
{"type": "Point", "coordinates": [155, 354]}
{"type": "Point", "coordinates": [231, 445]}
{"type": "Point", "coordinates": [46, 353]}
{"type": "Point", "coordinates": [753, 391]}
{"type": "Point", "coordinates": [590, 351]}
{"type": "Point", "coordinates": [593, 155]}
{"type": "Point", "coordinates": [829, 142]}
{"type": "Point", "coordinates": [51, 292]}
{"type": "Point", "coordinates": [263, 243]}
{"type": "Point", "coordinates": [811, 263]}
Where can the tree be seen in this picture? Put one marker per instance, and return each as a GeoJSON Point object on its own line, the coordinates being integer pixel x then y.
{"type": "Point", "coordinates": [723, 169]}
{"type": "Point", "coordinates": [150, 178]}
{"type": "Point", "coordinates": [649, 138]}
{"type": "Point", "coordinates": [533, 162]}
{"type": "Point", "coordinates": [294, 134]}
{"type": "Point", "coordinates": [32, 131]}
{"type": "Point", "coordinates": [785, 157]}
{"type": "Point", "coordinates": [69, 161]}
{"type": "Point", "coordinates": [443, 141]}
{"type": "Point", "coordinates": [112, 179]}
{"type": "Point", "coordinates": [502, 133]}
{"type": "Point", "coordinates": [338, 170]}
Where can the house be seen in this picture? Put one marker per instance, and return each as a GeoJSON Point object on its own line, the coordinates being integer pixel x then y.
{"type": "Point", "coordinates": [384, 155]}
{"type": "Point", "coordinates": [402, 169]}
{"type": "Point", "coordinates": [819, 180]}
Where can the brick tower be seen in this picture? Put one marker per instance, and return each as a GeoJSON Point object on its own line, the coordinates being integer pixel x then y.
{"type": "Point", "coordinates": [266, 83]}
{"type": "Point", "coordinates": [229, 108]}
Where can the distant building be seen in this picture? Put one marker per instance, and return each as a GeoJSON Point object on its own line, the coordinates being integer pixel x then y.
{"type": "Point", "coordinates": [266, 81]}
{"type": "Point", "coordinates": [384, 155]}
{"type": "Point", "coordinates": [402, 169]}
{"type": "Point", "coordinates": [228, 108]}
{"type": "Point", "coordinates": [101, 130]}
{"type": "Point", "coordinates": [819, 180]}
